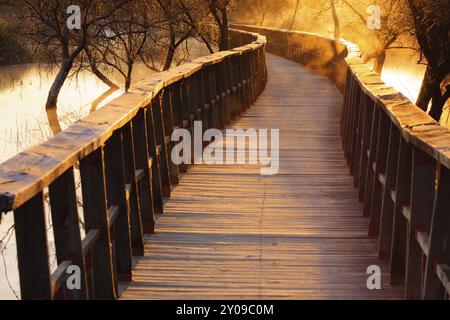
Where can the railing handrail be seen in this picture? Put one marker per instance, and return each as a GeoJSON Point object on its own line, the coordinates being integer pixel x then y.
{"type": "Point", "coordinates": [32, 170]}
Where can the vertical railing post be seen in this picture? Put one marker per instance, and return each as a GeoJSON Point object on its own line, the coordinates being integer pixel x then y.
{"type": "Point", "coordinates": [220, 79]}
{"type": "Point", "coordinates": [362, 109]}
{"type": "Point", "coordinates": [205, 98]}
{"type": "Point", "coordinates": [160, 137]}
{"type": "Point", "coordinates": [345, 107]}
{"type": "Point", "coordinates": [96, 216]}
{"type": "Point", "coordinates": [154, 155]}
{"type": "Point", "coordinates": [241, 83]}
{"type": "Point", "coordinates": [356, 128]}
{"type": "Point", "coordinates": [32, 250]}
{"type": "Point", "coordinates": [228, 88]}
{"type": "Point", "coordinates": [116, 194]}
{"type": "Point", "coordinates": [369, 107]}
{"type": "Point", "coordinates": [132, 189]}
{"type": "Point", "coordinates": [168, 129]}
{"type": "Point", "coordinates": [66, 229]}
{"type": "Point", "coordinates": [387, 204]}
{"type": "Point", "coordinates": [379, 170]}
{"type": "Point", "coordinates": [401, 197]}
{"type": "Point", "coordinates": [349, 116]}
{"type": "Point", "coordinates": [143, 171]}
{"type": "Point", "coordinates": [423, 178]}
{"type": "Point", "coordinates": [235, 109]}
{"type": "Point", "coordinates": [214, 96]}
{"type": "Point", "coordinates": [370, 174]}
{"type": "Point", "coordinates": [438, 243]}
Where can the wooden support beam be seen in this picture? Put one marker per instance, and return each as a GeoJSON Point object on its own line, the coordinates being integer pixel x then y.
{"type": "Point", "coordinates": [387, 205]}
{"type": "Point", "coordinates": [32, 250]}
{"type": "Point", "coordinates": [143, 171]}
{"type": "Point", "coordinates": [401, 197]}
{"type": "Point", "coordinates": [439, 237]}
{"type": "Point", "coordinates": [423, 179]}
{"type": "Point", "coordinates": [92, 170]}
{"type": "Point", "coordinates": [137, 232]}
{"type": "Point", "coordinates": [66, 228]}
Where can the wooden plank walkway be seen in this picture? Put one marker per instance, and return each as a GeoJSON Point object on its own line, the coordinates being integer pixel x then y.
{"type": "Point", "coordinates": [230, 233]}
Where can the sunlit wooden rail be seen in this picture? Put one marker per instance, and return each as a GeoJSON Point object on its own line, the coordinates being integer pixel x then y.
{"type": "Point", "coordinates": [398, 156]}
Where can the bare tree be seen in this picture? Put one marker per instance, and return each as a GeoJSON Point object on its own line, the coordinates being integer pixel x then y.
{"type": "Point", "coordinates": [130, 30]}
{"type": "Point", "coordinates": [431, 24]}
{"type": "Point", "coordinates": [394, 24]}
{"type": "Point", "coordinates": [196, 15]}
{"type": "Point", "coordinates": [294, 15]}
{"type": "Point", "coordinates": [337, 26]}
{"type": "Point", "coordinates": [264, 7]}
{"type": "Point", "coordinates": [180, 22]}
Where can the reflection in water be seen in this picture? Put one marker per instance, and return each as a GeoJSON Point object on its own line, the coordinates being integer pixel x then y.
{"type": "Point", "coordinates": [406, 82]}
{"type": "Point", "coordinates": [23, 94]}
{"type": "Point", "coordinates": [402, 72]}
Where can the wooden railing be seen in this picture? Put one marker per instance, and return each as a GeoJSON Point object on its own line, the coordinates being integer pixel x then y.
{"type": "Point", "coordinates": [399, 157]}
{"type": "Point", "coordinates": [122, 155]}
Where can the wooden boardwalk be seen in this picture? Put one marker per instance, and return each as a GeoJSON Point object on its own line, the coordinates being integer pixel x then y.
{"type": "Point", "coordinates": [230, 233]}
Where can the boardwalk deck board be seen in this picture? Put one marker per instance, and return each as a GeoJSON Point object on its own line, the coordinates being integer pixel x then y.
{"type": "Point", "coordinates": [230, 233]}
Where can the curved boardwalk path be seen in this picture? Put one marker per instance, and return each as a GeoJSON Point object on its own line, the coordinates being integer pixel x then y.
{"type": "Point", "coordinates": [230, 233]}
